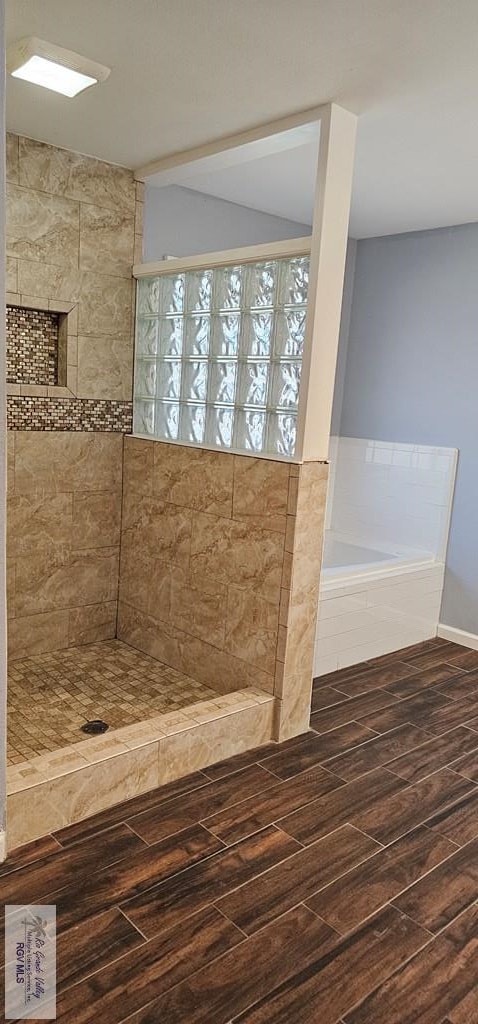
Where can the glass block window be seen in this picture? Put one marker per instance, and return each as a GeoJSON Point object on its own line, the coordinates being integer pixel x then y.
{"type": "Point", "coordinates": [218, 356]}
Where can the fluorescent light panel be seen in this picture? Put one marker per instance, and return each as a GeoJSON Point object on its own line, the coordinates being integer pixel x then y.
{"type": "Point", "coordinates": [53, 67]}
{"type": "Point", "coordinates": [53, 76]}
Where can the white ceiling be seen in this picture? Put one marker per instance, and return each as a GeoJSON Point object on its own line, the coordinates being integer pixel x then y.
{"type": "Point", "coordinates": [282, 184]}
{"type": "Point", "coordinates": [186, 72]}
{"type": "Point", "coordinates": [276, 175]}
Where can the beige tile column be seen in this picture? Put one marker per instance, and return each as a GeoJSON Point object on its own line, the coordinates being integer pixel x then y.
{"type": "Point", "coordinates": [299, 598]}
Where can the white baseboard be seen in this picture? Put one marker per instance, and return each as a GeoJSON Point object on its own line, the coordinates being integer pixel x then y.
{"type": "Point", "coordinates": [458, 636]}
{"type": "Point", "coordinates": [3, 847]}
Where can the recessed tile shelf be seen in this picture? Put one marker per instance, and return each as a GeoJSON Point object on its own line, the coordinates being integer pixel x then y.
{"type": "Point", "coordinates": [33, 370]}
{"type": "Point", "coordinates": [32, 337]}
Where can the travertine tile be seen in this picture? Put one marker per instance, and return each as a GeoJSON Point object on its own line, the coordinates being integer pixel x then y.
{"type": "Point", "coordinates": [88, 577]}
{"type": "Point", "coordinates": [105, 368]}
{"type": "Point", "coordinates": [105, 305]}
{"type": "Point", "coordinates": [67, 798]}
{"type": "Point", "coordinates": [260, 492]}
{"type": "Point", "coordinates": [24, 776]}
{"type": "Point", "coordinates": [49, 281]}
{"type": "Point", "coordinates": [139, 735]}
{"type": "Point", "coordinates": [144, 584]}
{"type": "Point", "coordinates": [217, 669]}
{"type": "Point", "coordinates": [54, 193]}
{"type": "Point", "coordinates": [62, 461]}
{"type": "Point", "coordinates": [237, 553]}
{"type": "Point", "coordinates": [284, 607]}
{"type": "Point", "coordinates": [34, 390]}
{"type": "Point", "coordinates": [51, 695]}
{"type": "Point", "coordinates": [260, 696]}
{"type": "Point", "coordinates": [311, 497]}
{"type": "Point", "coordinates": [32, 813]}
{"type": "Point", "coordinates": [11, 569]}
{"type": "Point", "coordinates": [138, 458]}
{"type": "Point", "coordinates": [34, 302]}
{"type": "Point", "coordinates": [281, 643]}
{"type": "Point", "coordinates": [79, 177]}
{"type": "Point", "coordinates": [40, 522]}
{"type": "Point", "coordinates": [290, 533]}
{"type": "Point", "coordinates": [292, 713]}
{"type": "Point", "coordinates": [106, 240]}
{"type": "Point", "coordinates": [301, 630]}
{"type": "Point", "coordinates": [96, 519]}
{"type": "Point", "coordinates": [189, 751]}
{"type": "Point", "coordinates": [42, 227]}
{"type": "Point", "coordinates": [193, 477]}
{"type": "Point", "coordinates": [293, 493]}
{"type": "Point", "coordinates": [251, 628]}
{"type": "Point", "coordinates": [161, 529]}
{"type": "Point", "coordinates": [59, 762]}
{"type": "Point", "coordinates": [33, 634]}
{"type": "Point", "coordinates": [198, 607]}
{"type": "Point", "coordinates": [171, 594]}
{"type": "Point", "coordinates": [80, 793]}
{"type": "Point", "coordinates": [92, 623]}
{"type": "Point", "coordinates": [71, 310]}
{"type": "Point", "coordinates": [298, 617]}
{"type": "Point", "coordinates": [11, 279]}
{"type": "Point", "coordinates": [138, 249]}
{"type": "Point", "coordinates": [72, 378]}
{"type": "Point", "coordinates": [10, 462]}
{"type": "Point", "coordinates": [99, 748]}
{"type": "Point", "coordinates": [139, 218]}
{"type": "Point", "coordinates": [11, 142]}
{"type": "Point", "coordinates": [174, 722]}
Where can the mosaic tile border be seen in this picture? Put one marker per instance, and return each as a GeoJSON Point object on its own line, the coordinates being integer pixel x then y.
{"type": "Point", "coordinates": [73, 414]}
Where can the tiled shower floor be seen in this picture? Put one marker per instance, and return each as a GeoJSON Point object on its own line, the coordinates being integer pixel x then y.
{"type": "Point", "coordinates": [51, 695]}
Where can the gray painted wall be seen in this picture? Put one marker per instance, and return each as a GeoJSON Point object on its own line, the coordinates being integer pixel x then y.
{"type": "Point", "coordinates": [342, 353]}
{"type": "Point", "coordinates": [181, 222]}
{"type": "Point", "coordinates": [412, 372]}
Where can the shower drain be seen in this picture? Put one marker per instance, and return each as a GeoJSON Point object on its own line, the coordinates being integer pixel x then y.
{"type": "Point", "coordinates": [95, 727]}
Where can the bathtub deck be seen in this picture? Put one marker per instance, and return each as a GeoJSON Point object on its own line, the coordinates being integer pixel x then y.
{"type": "Point", "coordinates": [350, 890]}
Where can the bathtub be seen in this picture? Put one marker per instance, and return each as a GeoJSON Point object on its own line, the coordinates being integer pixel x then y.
{"type": "Point", "coordinates": [373, 601]}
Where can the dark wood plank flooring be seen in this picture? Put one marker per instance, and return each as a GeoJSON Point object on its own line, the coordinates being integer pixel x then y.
{"type": "Point", "coordinates": [330, 880]}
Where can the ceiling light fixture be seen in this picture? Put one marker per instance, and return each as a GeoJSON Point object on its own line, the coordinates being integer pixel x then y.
{"type": "Point", "coordinates": [52, 67]}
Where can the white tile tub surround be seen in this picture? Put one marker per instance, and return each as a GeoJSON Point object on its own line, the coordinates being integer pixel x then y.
{"type": "Point", "coordinates": [391, 496]}
{"type": "Point", "coordinates": [369, 613]}
{"type": "Point", "coordinates": [388, 498]}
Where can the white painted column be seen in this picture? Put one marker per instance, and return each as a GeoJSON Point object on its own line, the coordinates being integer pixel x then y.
{"type": "Point", "coordinates": [327, 267]}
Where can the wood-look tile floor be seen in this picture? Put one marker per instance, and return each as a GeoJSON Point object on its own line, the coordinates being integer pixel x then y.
{"type": "Point", "coordinates": [332, 879]}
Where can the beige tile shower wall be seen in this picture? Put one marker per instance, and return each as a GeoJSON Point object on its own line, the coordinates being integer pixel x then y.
{"type": "Point", "coordinates": [300, 598]}
{"type": "Point", "coordinates": [63, 535]}
{"type": "Point", "coordinates": [202, 555]}
{"type": "Point", "coordinates": [74, 228]}
{"type": "Point", "coordinates": [220, 567]}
